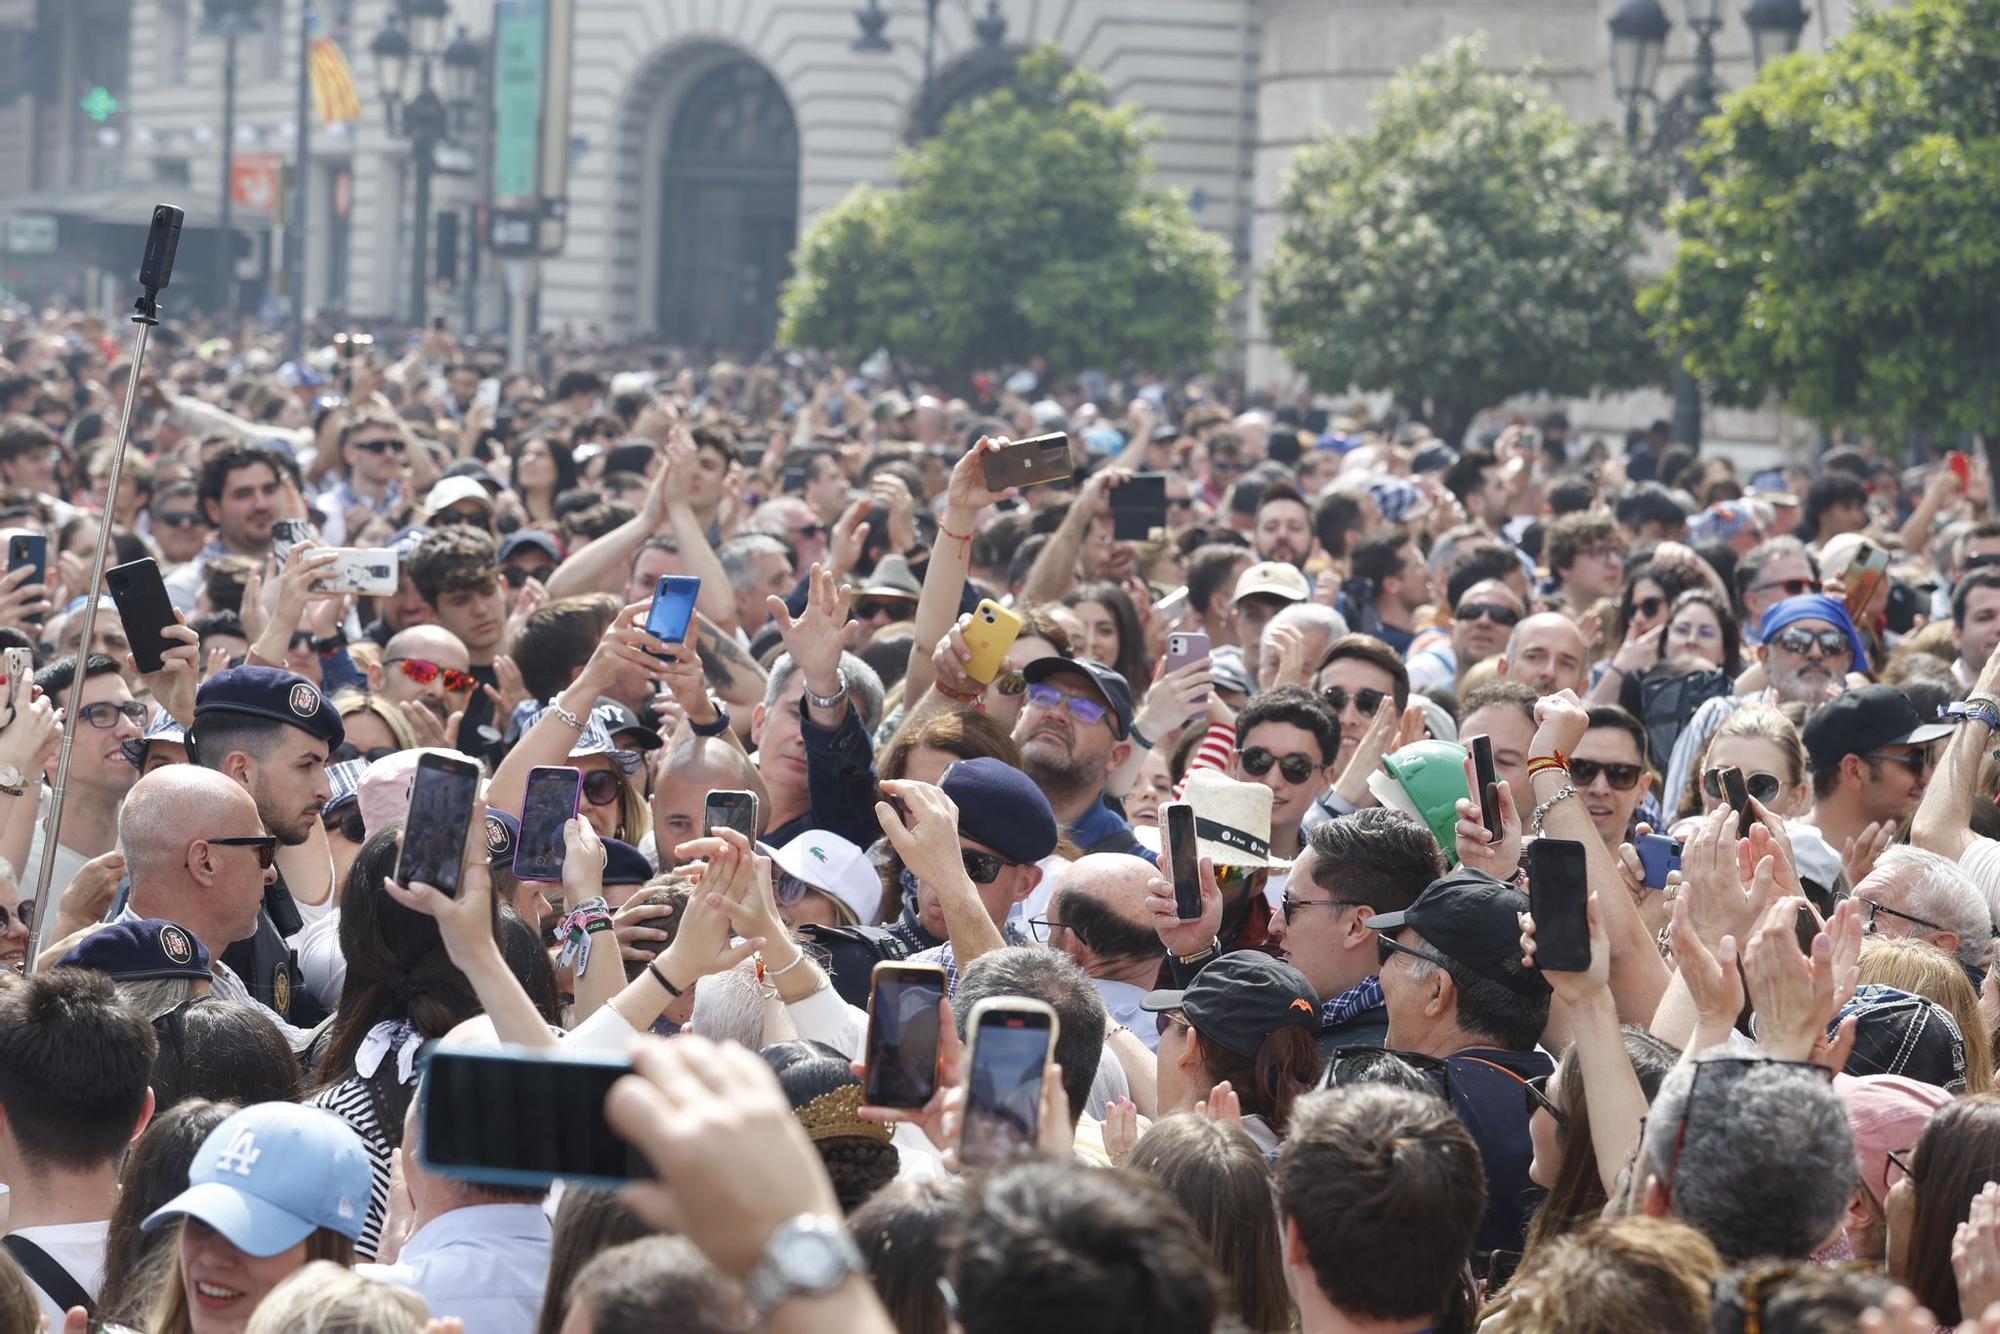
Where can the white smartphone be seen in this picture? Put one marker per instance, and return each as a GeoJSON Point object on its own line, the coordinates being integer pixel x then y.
{"type": "Point", "coordinates": [368, 571]}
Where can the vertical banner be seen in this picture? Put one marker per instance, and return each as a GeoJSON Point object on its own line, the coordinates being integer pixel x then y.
{"type": "Point", "coordinates": [561, 28]}
{"type": "Point", "coordinates": [520, 29]}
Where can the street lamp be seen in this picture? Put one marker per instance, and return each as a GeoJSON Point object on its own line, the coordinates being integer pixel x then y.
{"type": "Point", "coordinates": [990, 29]}
{"type": "Point", "coordinates": [229, 20]}
{"type": "Point", "coordinates": [415, 32]}
{"type": "Point", "coordinates": [1638, 46]}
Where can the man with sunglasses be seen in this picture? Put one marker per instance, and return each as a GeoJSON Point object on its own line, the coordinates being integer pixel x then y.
{"type": "Point", "coordinates": [175, 522]}
{"type": "Point", "coordinates": [425, 666]}
{"type": "Point", "coordinates": [100, 775]}
{"type": "Point", "coordinates": [1870, 757]}
{"type": "Point", "coordinates": [1480, 624]}
{"type": "Point", "coordinates": [1773, 570]}
{"type": "Point", "coordinates": [375, 460]}
{"type": "Point", "coordinates": [1286, 740]}
{"type": "Point", "coordinates": [1074, 732]}
{"type": "Point", "coordinates": [1612, 769]}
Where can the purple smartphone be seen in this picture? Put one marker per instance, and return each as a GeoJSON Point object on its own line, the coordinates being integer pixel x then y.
{"type": "Point", "coordinates": [550, 802]}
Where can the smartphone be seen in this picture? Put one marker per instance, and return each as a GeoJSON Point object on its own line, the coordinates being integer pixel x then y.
{"type": "Point", "coordinates": [1187, 646]}
{"type": "Point", "coordinates": [1864, 575]}
{"type": "Point", "coordinates": [991, 632]}
{"type": "Point", "coordinates": [902, 1051]}
{"type": "Point", "coordinates": [793, 481]}
{"type": "Point", "coordinates": [1009, 1043]}
{"type": "Point", "coordinates": [368, 571]}
{"type": "Point", "coordinates": [1173, 603]}
{"type": "Point", "coordinates": [487, 396]}
{"type": "Point", "coordinates": [728, 808]}
{"type": "Point", "coordinates": [524, 1116]}
{"type": "Point", "coordinates": [1039, 458]}
{"type": "Point", "coordinates": [1138, 507]}
{"type": "Point", "coordinates": [20, 664]}
{"type": "Point", "coordinates": [31, 549]}
{"type": "Point", "coordinates": [1960, 464]}
{"type": "Point", "coordinates": [440, 815]}
{"type": "Point", "coordinates": [1558, 897]}
{"type": "Point", "coordinates": [1658, 855]}
{"type": "Point", "coordinates": [1489, 795]}
{"type": "Point", "coordinates": [1906, 603]}
{"type": "Point", "coordinates": [1735, 794]}
{"type": "Point", "coordinates": [145, 608]}
{"type": "Point", "coordinates": [673, 607]}
{"type": "Point", "coordinates": [1183, 859]}
{"type": "Point", "coordinates": [286, 534]}
{"type": "Point", "coordinates": [549, 803]}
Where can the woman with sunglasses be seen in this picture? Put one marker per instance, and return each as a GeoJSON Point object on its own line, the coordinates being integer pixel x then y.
{"type": "Point", "coordinates": [1760, 742]}
{"type": "Point", "coordinates": [1643, 608]}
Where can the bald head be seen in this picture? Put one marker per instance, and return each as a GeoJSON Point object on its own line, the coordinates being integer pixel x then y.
{"type": "Point", "coordinates": [172, 827]}
{"type": "Point", "coordinates": [686, 776]}
{"type": "Point", "coordinates": [431, 642]}
{"type": "Point", "coordinates": [1548, 653]}
{"type": "Point", "coordinates": [1101, 906]}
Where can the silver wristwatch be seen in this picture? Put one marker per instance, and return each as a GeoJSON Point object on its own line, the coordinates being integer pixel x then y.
{"type": "Point", "coordinates": [832, 701]}
{"type": "Point", "coordinates": [807, 1257]}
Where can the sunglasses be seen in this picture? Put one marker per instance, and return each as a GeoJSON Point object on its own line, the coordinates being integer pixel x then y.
{"type": "Point", "coordinates": [1764, 787]}
{"type": "Point", "coordinates": [808, 532]}
{"type": "Point", "coordinates": [1167, 1019]}
{"type": "Point", "coordinates": [1797, 639]}
{"type": "Point", "coordinates": [1917, 762]}
{"type": "Point", "coordinates": [1792, 587]}
{"type": "Point", "coordinates": [1536, 1092]}
{"type": "Point", "coordinates": [982, 868]}
{"type": "Point", "coordinates": [1870, 909]}
{"type": "Point", "coordinates": [1083, 710]}
{"type": "Point", "coordinates": [1365, 700]}
{"type": "Point", "coordinates": [265, 845]}
{"type": "Point", "coordinates": [1622, 777]}
{"type": "Point", "coordinates": [346, 822]}
{"type": "Point", "coordinates": [183, 519]}
{"type": "Point", "coordinates": [377, 446]}
{"type": "Point", "coordinates": [347, 751]}
{"type": "Point", "coordinates": [105, 714]}
{"type": "Point", "coordinates": [869, 608]}
{"type": "Point", "coordinates": [1291, 905]}
{"type": "Point", "coordinates": [24, 913]}
{"type": "Point", "coordinates": [1296, 768]}
{"type": "Point", "coordinates": [601, 787]}
{"type": "Point", "coordinates": [1010, 684]}
{"type": "Point", "coordinates": [1648, 608]}
{"type": "Point", "coordinates": [1489, 611]}
{"type": "Point", "coordinates": [518, 576]}
{"type": "Point", "coordinates": [423, 671]}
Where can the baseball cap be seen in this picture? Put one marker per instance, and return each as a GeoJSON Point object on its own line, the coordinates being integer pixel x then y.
{"type": "Point", "coordinates": [1117, 695]}
{"type": "Point", "coordinates": [1474, 920]}
{"type": "Point", "coordinates": [454, 491]}
{"type": "Point", "coordinates": [1887, 1113]}
{"type": "Point", "coordinates": [594, 739]}
{"type": "Point", "coordinates": [531, 537]}
{"type": "Point", "coordinates": [1866, 718]}
{"type": "Point", "coordinates": [834, 866]}
{"type": "Point", "coordinates": [271, 1175]}
{"type": "Point", "coordinates": [619, 720]}
{"type": "Point", "coordinates": [164, 727]}
{"type": "Point", "coordinates": [142, 948]}
{"type": "Point", "coordinates": [1722, 521]}
{"type": "Point", "coordinates": [503, 832]}
{"type": "Point", "coordinates": [1241, 999]}
{"type": "Point", "coordinates": [1399, 500]}
{"type": "Point", "coordinates": [1898, 1033]}
{"type": "Point", "coordinates": [1272, 578]}
{"type": "Point", "coordinates": [1000, 806]}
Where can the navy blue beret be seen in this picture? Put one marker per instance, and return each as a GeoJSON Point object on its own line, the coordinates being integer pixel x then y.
{"type": "Point", "coordinates": [1000, 806]}
{"type": "Point", "coordinates": [147, 947]}
{"type": "Point", "coordinates": [625, 864]}
{"type": "Point", "coordinates": [503, 831]}
{"type": "Point", "coordinates": [271, 693]}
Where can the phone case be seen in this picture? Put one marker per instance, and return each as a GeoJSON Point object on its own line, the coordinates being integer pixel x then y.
{"type": "Point", "coordinates": [1138, 507]}
{"type": "Point", "coordinates": [367, 571]}
{"type": "Point", "coordinates": [673, 607]}
{"type": "Point", "coordinates": [1658, 855]}
{"type": "Point", "coordinates": [739, 800]}
{"type": "Point", "coordinates": [1864, 575]}
{"type": "Point", "coordinates": [1039, 458]}
{"type": "Point", "coordinates": [990, 634]}
{"type": "Point", "coordinates": [875, 1094]}
{"type": "Point", "coordinates": [996, 1007]}
{"type": "Point", "coordinates": [1186, 878]}
{"type": "Point", "coordinates": [1489, 796]}
{"type": "Point", "coordinates": [524, 864]}
{"type": "Point", "coordinates": [1564, 945]}
{"type": "Point", "coordinates": [437, 822]}
{"type": "Point", "coordinates": [145, 609]}
{"type": "Point", "coordinates": [580, 1082]}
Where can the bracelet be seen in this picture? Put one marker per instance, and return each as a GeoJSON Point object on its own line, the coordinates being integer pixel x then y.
{"type": "Point", "coordinates": [833, 701]}
{"type": "Point", "coordinates": [956, 537]}
{"type": "Point", "coordinates": [559, 711]}
{"type": "Point", "coordinates": [1983, 697]}
{"type": "Point", "coordinates": [1542, 763]}
{"type": "Point", "coordinates": [1200, 955]}
{"type": "Point", "coordinates": [788, 967]}
{"type": "Point", "coordinates": [653, 967]}
{"type": "Point", "coordinates": [1139, 739]}
{"type": "Point", "coordinates": [716, 728]}
{"type": "Point", "coordinates": [1563, 793]}
{"type": "Point", "coordinates": [951, 694]}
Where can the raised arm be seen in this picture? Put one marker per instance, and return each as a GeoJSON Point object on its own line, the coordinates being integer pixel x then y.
{"type": "Point", "coordinates": [602, 565]}
{"type": "Point", "coordinates": [1943, 822]}
{"type": "Point", "coordinates": [1054, 571]}
{"type": "Point", "coordinates": [966, 498]}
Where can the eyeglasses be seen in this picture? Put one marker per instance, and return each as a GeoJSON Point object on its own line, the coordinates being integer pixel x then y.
{"type": "Point", "coordinates": [391, 446]}
{"type": "Point", "coordinates": [808, 531]}
{"type": "Point", "coordinates": [1738, 1063]}
{"type": "Point", "coordinates": [1691, 630]}
{"type": "Point", "coordinates": [1602, 552]}
{"type": "Point", "coordinates": [1010, 684]}
{"type": "Point", "coordinates": [1917, 762]}
{"type": "Point", "coordinates": [1825, 643]}
{"type": "Point", "coordinates": [1792, 587]}
{"type": "Point", "coordinates": [265, 845]}
{"type": "Point", "coordinates": [1291, 905]}
{"type": "Point", "coordinates": [788, 889]}
{"type": "Point", "coordinates": [1296, 768]}
{"type": "Point", "coordinates": [347, 751]}
{"type": "Point", "coordinates": [24, 913]}
{"type": "Point", "coordinates": [1083, 710]}
{"type": "Point", "coordinates": [1900, 1160]}
{"type": "Point", "coordinates": [1622, 777]}
{"type": "Point", "coordinates": [423, 671]}
{"type": "Point", "coordinates": [517, 576]}
{"type": "Point", "coordinates": [105, 714]}
{"type": "Point", "coordinates": [1536, 1091]}
{"type": "Point", "coordinates": [601, 787]}
{"type": "Point", "coordinates": [1489, 611]}
{"type": "Point", "coordinates": [1384, 947]}
{"type": "Point", "coordinates": [869, 608]}
{"type": "Point", "coordinates": [1365, 700]}
{"type": "Point", "coordinates": [1870, 908]}
{"type": "Point", "coordinates": [176, 519]}
{"type": "Point", "coordinates": [1764, 787]}
{"type": "Point", "coordinates": [1042, 930]}
{"type": "Point", "coordinates": [1648, 608]}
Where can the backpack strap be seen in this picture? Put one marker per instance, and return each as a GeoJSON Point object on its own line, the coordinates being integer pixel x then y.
{"type": "Point", "coordinates": [45, 1273]}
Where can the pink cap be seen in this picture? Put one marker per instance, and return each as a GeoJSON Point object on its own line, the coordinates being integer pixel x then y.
{"type": "Point", "coordinates": [1887, 1113]}
{"type": "Point", "coordinates": [383, 793]}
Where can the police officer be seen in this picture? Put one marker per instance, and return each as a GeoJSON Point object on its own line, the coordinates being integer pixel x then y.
{"type": "Point", "coordinates": [272, 731]}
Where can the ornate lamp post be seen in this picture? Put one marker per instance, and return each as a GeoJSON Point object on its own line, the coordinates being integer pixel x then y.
{"type": "Point", "coordinates": [990, 29]}
{"type": "Point", "coordinates": [426, 118]}
{"type": "Point", "coordinates": [229, 20]}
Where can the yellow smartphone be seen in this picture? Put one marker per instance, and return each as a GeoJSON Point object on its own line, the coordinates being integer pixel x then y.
{"type": "Point", "coordinates": [992, 632]}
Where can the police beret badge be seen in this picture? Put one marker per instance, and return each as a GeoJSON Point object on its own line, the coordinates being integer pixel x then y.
{"type": "Point", "coordinates": [174, 943]}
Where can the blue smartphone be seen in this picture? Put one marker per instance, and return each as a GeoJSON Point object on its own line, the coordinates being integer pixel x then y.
{"type": "Point", "coordinates": [521, 1116]}
{"type": "Point", "coordinates": [673, 607]}
{"type": "Point", "coordinates": [1658, 855]}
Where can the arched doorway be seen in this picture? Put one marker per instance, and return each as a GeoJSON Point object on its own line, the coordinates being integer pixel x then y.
{"type": "Point", "coordinates": [729, 210]}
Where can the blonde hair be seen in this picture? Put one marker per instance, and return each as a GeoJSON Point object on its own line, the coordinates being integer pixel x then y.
{"type": "Point", "coordinates": [1923, 969]}
{"type": "Point", "coordinates": [324, 1298]}
{"type": "Point", "coordinates": [1763, 722]}
{"type": "Point", "coordinates": [351, 702]}
{"type": "Point", "coordinates": [1606, 1272]}
{"type": "Point", "coordinates": [170, 1311]}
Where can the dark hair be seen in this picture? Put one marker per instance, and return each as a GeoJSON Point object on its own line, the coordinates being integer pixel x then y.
{"type": "Point", "coordinates": [20, 434]}
{"type": "Point", "coordinates": [1983, 577]}
{"type": "Point", "coordinates": [1382, 857]}
{"type": "Point", "coordinates": [1795, 1297]}
{"type": "Point", "coordinates": [1467, 473]}
{"type": "Point", "coordinates": [1953, 1160]}
{"type": "Point", "coordinates": [1518, 695]}
{"type": "Point", "coordinates": [1649, 502]}
{"type": "Point", "coordinates": [1570, 495]}
{"type": "Point", "coordinates": [1611, 715]}
{"type": "Point", "coordinates": [858, 1167]}
{"type": "Point", "coordinates": [559, 451]}
{"type": "Point", "coordinates": [558, 638]}
{"type": "Point", "coordinates": [965, 734]}
{"type": "Point", "coordinates": [1369, 649]}
{"type": "Point", "coordinates": [1099, 926]}
{"type": "Point", "coordinates": [218, 735]}
{"type": "Point", "coordinates": [1725, 617]}
{"type": "Point", "coordinates": [1569, 535]}
{"type": "Point", "coordinates": [1299, 707]}
{"type": "Point", "coordinates": [904, 1232]}
{"type": "Point", "coordinates": [1211, 569]}
{"type": "Point", "coordinates": [217, 623]}
{"type": "Point", "coordinates": [1287, 491]}
{"type": "Point", "coordinates": [1054, 979]}
{"type": "Point", "coordinates": [214, 476]}
{"type": "Point", "coordinates": [155, 1171]}
{"type": "Point", "coordinates": [1134, 663]}
{"type": "Point", "coordinates": [225, 1051]}
{"type": "Point", "coordinates": [578, 380]}
{"type": "Point", "coordinates": [73, 1065]}
{"type": "Point", "coordinates": [1334, 517]}
{"type": "Point", "coordinates": [1364, 1170]}
{"type": "Point", "coordinates": [1476, 562]}
{"type": "Point", "coordinates": [1108, 1251]}
{"type": "Point", "coordinates": [456, 559]}
{"type": "Point", "coordinates": [1287, 1066]}
{"type": "Point", "coordinates": [722, 442]}
{"type": "Point", "coordinates": [1219, 1177]}
{"type": "Point", "coordinates": [589, 1220]}
{"type": "Point", "coordinates": [60, 675]}
{"type": "Point", "coordinates": [643, 1285]}
{"type": "Point", "coordinates": [1379, 556]}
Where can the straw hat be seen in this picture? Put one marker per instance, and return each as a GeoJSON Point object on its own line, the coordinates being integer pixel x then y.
{"type": "Point", "coordinates": [1232, 820]}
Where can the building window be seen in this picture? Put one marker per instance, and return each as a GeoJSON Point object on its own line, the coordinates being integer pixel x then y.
{"type": "Point", "coordinates": [176, 35]}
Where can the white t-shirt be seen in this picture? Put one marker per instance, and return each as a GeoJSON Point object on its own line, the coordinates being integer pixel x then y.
{"type": "Point", "coordinates": [77, 1247]}
{"type": "Point", "coordinates": [1982, 862]}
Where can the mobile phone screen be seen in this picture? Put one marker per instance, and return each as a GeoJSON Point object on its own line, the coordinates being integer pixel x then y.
{"type": "Point", "coordinates": [32, 549]}
{"type": "Point", "coordinates": [730, 809]}
{"type": "Point", "coordinates": [1003, 1100]}
{"type": "Point", "coordinates": [1139, 506]}
{"type": "Point", "coordinates": [673, 607]}
{"type": "Point", "coordinates": [1558, 893]}
{"type": "Point", "coordinates": [441, 798]}
{"type": "Point", "coordinates": [1489, 795]}
{"type": "Point", "coordinates": [1185, 860]}
{"type": "Point", "coordinates": [519, 1118]}
{"type": "Point", "coordinates": [144, 609]}
{"type": "Point", "coordinates": [549, 803]}
{"type": "Point", "coordinates": [902, 1053]}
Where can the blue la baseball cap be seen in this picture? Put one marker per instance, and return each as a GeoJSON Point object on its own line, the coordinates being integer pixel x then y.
{"type": "Point", "coordinates": [272, 1174]}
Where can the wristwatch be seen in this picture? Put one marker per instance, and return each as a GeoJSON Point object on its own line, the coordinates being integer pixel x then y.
{"type": "Point", "coordinates": [832, 701]}
{"type": "Point", "coordinates": [1974, 710]}
{"type": "Point", "coordinates": [807, 1257]}
{"type": "Point", "coordinates": [718, 727]}
{"type": "Point", "coordinates": [12, 781]}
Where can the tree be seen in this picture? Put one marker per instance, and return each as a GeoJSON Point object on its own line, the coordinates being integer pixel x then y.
{"type": "Point", "coordinates": [1847, 255]}
{"type": "Point", "coordinates": [1474, 245]}
{"type": "Point", "coordinates": [1028, 228]}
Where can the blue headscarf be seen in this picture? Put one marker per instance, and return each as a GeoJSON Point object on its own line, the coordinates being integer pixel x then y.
{"type": "Point", "coordinates": [1815, 607]}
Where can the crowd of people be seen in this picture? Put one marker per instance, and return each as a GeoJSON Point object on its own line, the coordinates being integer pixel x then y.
{"type": "Point", "coordinates": [1327, 1078]}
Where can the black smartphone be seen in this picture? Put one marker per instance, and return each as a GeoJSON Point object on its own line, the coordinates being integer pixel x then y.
{"type": "Point", "coordinates": [673, 607]}
{"type": "Point", "coordinates": [1735, 794]}
{"type": "Point", "coordinates": [30, 549]}
{"type": "Point", "coordinates": [793, 482]}
{"type": "Point", "coordinates": [1011, 1041]}
{"type": "Point", "coordinates": [520, 1116]}
{"type": "Point", "coordinates": [1039, 458]}
{"type": "Point", "coordinates": [1183, 860]}
{"type": "Point", "coordinates": [902, 1051]}
{"type": "Point", "coordinates": [548, 804]}
{"type": "Point", "coordinates": [1489, 795]}
{"type": "Point", "coordinates": [1558, 897]}
{"type": "Point", "coordinates": [441, 799]}
{"type": "Point", "coordinates": [1139, 506]}
{"type": "Point", "coordinates": [143, 605]}
{"type": "Point", "coordinates": [728, 808]}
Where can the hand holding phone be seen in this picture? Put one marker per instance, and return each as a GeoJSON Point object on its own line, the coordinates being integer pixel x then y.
{"type": "Point", "coordinates": [442, 795]}
{"type": "Point", "coordinates": [1183, 859]}
{"type": "Point", "coordinates": [1489, 793]}
{"type": "Point", "coordinates": [1559, 901]}
{"type": "Point", "coordinates": [728, 808]}
{"type": "Point", "coordinates": [553, 796]}
{"type": "Point", "coordinates": [904, 1034]}
{"type": "Point", "coordinates": [1658, 855]}
{"type": "Point", "coordinates": [673, 608]}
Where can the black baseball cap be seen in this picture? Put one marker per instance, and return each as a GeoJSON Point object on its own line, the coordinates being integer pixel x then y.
{"type": "Point", "coordinates": [1867, 718]}
{"type": "Point", "coordinates": [1109, 683]}
{"type": "Point", "coordinates": [1473, 920]}
{"type": "Point", "coordinates": [1241, 999]}
{"type": "Point", "coordinates": [620, 721]}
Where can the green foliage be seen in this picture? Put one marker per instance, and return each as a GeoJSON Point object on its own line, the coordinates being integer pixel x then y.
{"type": "Point", "coordinates": [1847, 255]}
{"type": "Point", "coordinates": [1474, 245]}
{"type": "Point", "coordinates": [1027, 228]}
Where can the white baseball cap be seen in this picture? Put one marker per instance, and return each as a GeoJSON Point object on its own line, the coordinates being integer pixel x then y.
{"type": "Point", "coordinates": [835, 867]}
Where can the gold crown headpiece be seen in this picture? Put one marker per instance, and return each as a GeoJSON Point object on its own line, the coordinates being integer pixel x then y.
{"type": "Point", "coordinates": [837, 1115]}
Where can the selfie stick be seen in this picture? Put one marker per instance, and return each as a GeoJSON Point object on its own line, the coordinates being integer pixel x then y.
{"type": "Point", "coordinates": [155, 268]}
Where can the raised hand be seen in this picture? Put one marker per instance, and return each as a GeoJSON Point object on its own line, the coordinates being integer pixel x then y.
{"type": "Point", "coordinates": [967, 493]}
{"type": "Point", "coordinates": [1190, 936]}
{"type": "Point", "coordinates": [174, 685]}
{"type": "Point", "coordinates": [813, 639]}
{"type": "Point", "coordinates": [1573, 989]}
